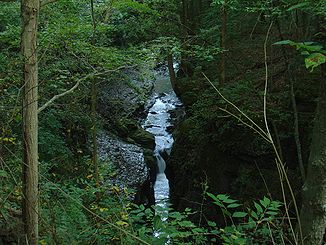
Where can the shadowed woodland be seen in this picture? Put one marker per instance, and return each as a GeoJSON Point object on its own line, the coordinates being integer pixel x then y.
{"type": "Point", "coordinates": [222, 103]}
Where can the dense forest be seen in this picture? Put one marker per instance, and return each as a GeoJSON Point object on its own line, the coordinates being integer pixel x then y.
{"type": "Point", "coordinates": [162, 122]}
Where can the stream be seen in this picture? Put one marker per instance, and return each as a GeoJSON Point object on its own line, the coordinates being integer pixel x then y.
{"type": "Point", "coordinates": [158, 122]}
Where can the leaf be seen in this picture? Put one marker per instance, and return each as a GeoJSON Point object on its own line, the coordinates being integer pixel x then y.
{"type": "Point", "coordinates": [241, 241]}
{"type": "Point", "coordinates": [222, 197]}
{"type": "Point", "coordinates": [314, 60]}
{"type": "Point", "coordinates": [3, 173]}
{"type": "Point", "coordinates": [284, 42]}
{"type": "Point", "coordinates": [211, 223]}
{"type": "Point", "coordinates": [315, 48]}
{"type": "Point", "coordinates": [259, 208]}
{"type": "Point", "coordinates": [273, 208]}
{"type": "Point", "coordinates": [229, 200]}
{"type": "Point", "coordinates": [239, 214]}
{"type": "Point", "coordinates": [43, 242]}
{"type": "Point", "coordinates": [254, 214]}
{"type": "Point", "coordinates": [227, 213]}
{"type": "Point", "coordinates": [122, 223]}
{"type": "Point", "coordinates": [297, 6]}
{"type": "Point", "coordinates": [271, 213]}
{"type": "Point", "coordinates": [265, 202]}
{"type": "Point", "coordinates": [218, 203]}
{"type": "Point", "coordinates": [215, 232]}
{"type": "Point", "coordinates": [186, 224]}
{"type": "Point", "coordinates": [157, 222]}
{"type": "Point", "coordinates": [212, 196]}
{"type": "Point", "coordinates": [233, 205]}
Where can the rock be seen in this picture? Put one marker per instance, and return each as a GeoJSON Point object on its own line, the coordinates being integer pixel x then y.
{"type": "Point", "coordinates": [121, 104]}
{"type": "Point", "coordinates": [127, 159]}
{"type": "Point", "coordinates": [124, 96]}
{"type": "Point", "coordinates": [143, 138]}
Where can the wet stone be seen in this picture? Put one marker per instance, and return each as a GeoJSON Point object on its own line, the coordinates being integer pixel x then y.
{"type": "Point", "coordinates": [127, 159]}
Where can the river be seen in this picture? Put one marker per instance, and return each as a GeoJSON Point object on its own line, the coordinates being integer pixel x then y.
{"type": "Point", "coordinates": [158, 122]}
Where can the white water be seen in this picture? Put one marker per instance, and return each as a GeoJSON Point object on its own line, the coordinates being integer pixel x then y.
{"type": "Point", "coordinates": [157, 123]}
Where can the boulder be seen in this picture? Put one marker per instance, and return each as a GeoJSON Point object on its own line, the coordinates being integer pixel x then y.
{"type": "Point", "coordinates": [127, 159]}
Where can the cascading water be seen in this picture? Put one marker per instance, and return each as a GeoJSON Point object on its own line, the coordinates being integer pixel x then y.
{"type": "Point", "coordinates": [157, 122]}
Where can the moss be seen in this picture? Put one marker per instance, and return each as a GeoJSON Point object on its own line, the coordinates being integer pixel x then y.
{"type": "Point", "coordinates": [149, 159]}
{"type": "Point", "coordinates": [143, 138]}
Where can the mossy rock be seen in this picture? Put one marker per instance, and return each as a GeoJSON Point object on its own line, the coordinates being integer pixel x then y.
{"type": "Point", "coordinates": [143, 138]}
{"type": "Point", "coordinates": [149, 158]}
{"type": "Point", "coordinates": [125, 127]}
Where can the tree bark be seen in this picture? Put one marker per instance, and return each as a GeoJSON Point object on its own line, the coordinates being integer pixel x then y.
{"type": "Point", "coordinates": [30, 11]}
{"type": "Point", "coordinates": [313, 212]}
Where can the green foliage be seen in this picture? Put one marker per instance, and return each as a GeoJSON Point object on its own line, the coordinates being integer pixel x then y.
{"type": "Point", "coordinates": [314, 53]}
{"type": "Point", "coordinates": [230, 4]}
{"type": "Point", "coordinates": [161, 225]}
{"type": "Point", "coordinates": [134, 34]}
{"type": "Point", "coordinates": [256, 225]}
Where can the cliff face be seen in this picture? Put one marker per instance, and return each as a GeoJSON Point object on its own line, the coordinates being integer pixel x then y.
{"type": "Point", "coordinates": [122, 144]}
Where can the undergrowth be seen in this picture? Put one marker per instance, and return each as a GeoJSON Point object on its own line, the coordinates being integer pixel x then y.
{"type": "Point", "coordinates": [86, 214]}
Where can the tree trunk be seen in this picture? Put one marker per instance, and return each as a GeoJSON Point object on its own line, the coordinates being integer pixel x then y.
{"type": "Point", "coordinates": [223, 42]}
{"type": "Point", "coordinates": [172, 74]}
{"type": "Point", "coordinates": [30, 10]}
{"type": "Point", "coordinates": [93, 107]}
{"type": "Point", "coordinates": [313, 213]}
{"type": "Point", "coordinates": [184, 62]}
{"type": "Point", "coordinates": [94, 132]}
{"type": "Point", "coordinates": [296, 131]}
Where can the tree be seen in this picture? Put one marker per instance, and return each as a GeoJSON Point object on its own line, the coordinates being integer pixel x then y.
{"type": "Point", "coordinates": [30, 11]}
{"type": "Point", "coordinates": [313, 212]}
{"type": "Point", "coordinates": [223, 40]}
{"type": "Point", "coordinates": [93, 106]}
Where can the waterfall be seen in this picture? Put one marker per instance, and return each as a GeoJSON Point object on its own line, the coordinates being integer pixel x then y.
{"type": "Point", "coordinates": [160, 164]}
{"type": "Point", "coordinates": [157, 123]}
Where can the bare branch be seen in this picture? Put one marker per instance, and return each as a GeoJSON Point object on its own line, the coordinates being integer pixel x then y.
{"type": "Point", "coordinates": [59, 96]}
{"type": "Point", "coordinates": [54, 98]}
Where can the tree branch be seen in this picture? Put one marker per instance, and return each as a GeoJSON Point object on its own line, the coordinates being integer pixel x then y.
{"type": "Point", "coordinates": [59, 96]}
{"type": "Point", "coordinates": [54, 98]}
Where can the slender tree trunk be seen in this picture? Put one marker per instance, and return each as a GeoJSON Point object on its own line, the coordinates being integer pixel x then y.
{"type": "Point", "coordinates": [313, 212]}
{"type": "Point", "coordinates": [184, 64]}
{"type": "Point", "coordinates": [278, 141]}
{"type": "Point", "coordinates": [291, 77]}
{"type": "Point", "coordinates": [172, 73]}
{"type": "Point", "coordinates": [94, 141]}
{"type": "Point", "coordinates": [93, 106]}
{"type": "Point", "coordinates": [30, 11]}
{"type": "Point", "coordinates": [296, 131]}
{"type": "Point", "coordinates": [223, 42]}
